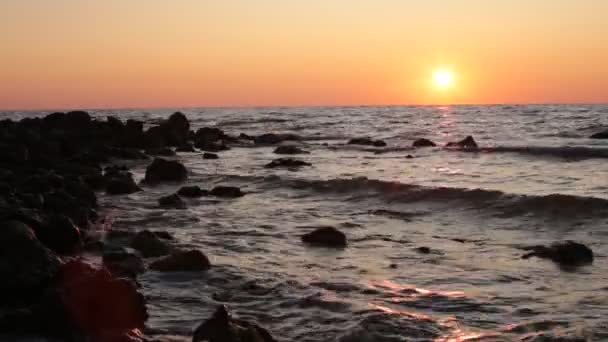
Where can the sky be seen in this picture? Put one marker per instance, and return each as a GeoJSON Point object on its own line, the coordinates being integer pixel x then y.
{"type": "Point", "coordinates": [60, 54]}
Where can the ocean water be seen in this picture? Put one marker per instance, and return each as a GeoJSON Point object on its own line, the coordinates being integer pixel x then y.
{"type": "Point", "coordinates": [539, 179]}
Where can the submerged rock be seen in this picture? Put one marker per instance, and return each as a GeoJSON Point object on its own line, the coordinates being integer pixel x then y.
{"type": "Point", "coordinates": [222, 327]}
{"type": "Point", "coordinates": [208, 155]}
{"type": "Point", "coordinates": [182, 261]}
{"type": "Point", "coordinates": [466, 143]}
{"type": "Point", "coordinates": [367, 142]}
{"type": "Point", "coordinates": [600, 135]}
{"type": "Point", "coordinates": [227, 192]}
{"type": "Point", "coordinates": [123, 263]}
{"type": "Point", "coordinates": [289, 149]}
{"type": "Point", "coordinates": [422, 142]}
{"type": "Point", "coordinates": [162, 170]}
{"type": "Point", "coordinates": [274, 138]}
{"type": "Point", "coordinates": [290, 163]}
{"type": "Point", "coordinates": [325, 236]}
{"type": "Point", "coordinates": [172, 201]}
{"type": "Point", "coordinates": [568, 253]}
{"type": "Point", "coordinates": [187, 147]}
{"type": "Point", "coordinates": [423, 250]}
{"type": "Point", "coordinates": [120, 183]}
{"type": "Point", "coordinates": [192, 191]}
{"type": "Point", "coordinates": [150, 245]}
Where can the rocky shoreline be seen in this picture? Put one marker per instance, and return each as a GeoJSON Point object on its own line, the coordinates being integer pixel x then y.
{"type": "Point", "coordinates": [50, 171]}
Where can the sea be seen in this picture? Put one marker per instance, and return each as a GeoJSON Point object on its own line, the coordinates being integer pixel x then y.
{"type": "Point", "coordinates": [537, 179]}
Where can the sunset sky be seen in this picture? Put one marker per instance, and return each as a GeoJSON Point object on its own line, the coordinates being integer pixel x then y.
{"type": "Point", "coordinates": [161, 53]}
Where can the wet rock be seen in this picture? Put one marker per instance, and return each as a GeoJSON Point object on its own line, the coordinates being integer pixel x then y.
{"type": "Point", "coordinates": [164, 235]}
{"type": "Point", "coordinates": [244, 136]}
{"type": "Point", "coordinates": [208, 155]}
{"type": "Point", "coordinates": [213, 146]}
{"type": "Point", "coordinates": [122, 263]}
{"type": "Point", "coordinates": [222, 327]}
{"type": "Point", "coordinates": [367, 142]}
{"type": "Point", "coordinates": [162, 170]}
{"type": "Point", "coordinates": [289, 163]}
{"type": "Point", "coordinates": [60, 234]}
{"type": "Point", "coordinates": [120, 183]}
{"type": "Point", "coordinates": [466, 143]}
{"type": "Point", "coordinates": [161, 151]}
{"type": "Point", "coordinates": [26, 266]}
{"type": "Point", "coordinates": [600, 135]}
{"type": "Point", "coordinates": [192, 191]}
{"type": "Point", "coordinates": [422, 142]}
{"type": "Point", "coordinates": [187, 147]}
{"type": "Point", "coordinates": [273, 138]}
{"type": "Point", "coordinates": [172, 201]}
{"type": "Point", "coordinates": [182, 261]}
{"type": "Point", "coordinates": [289, 149]}
{"type": "Point", "coordinates": [226, 191]}
{"type": "Point", "coordinates": [325, 236]}
{"type": "Point", "coordinates": [409, 156]}
{"type": "Point", "coordinates": [423, 250]}
{"type": "Point", "coordinates": [150, 245]}
{"type": "Point", "coordinates": [568, 253]}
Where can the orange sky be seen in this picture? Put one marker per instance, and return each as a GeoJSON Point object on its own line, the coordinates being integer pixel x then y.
{"type": "Point", "coordinates": [161, 53]}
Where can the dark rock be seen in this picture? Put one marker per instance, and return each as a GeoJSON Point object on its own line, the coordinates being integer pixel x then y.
{"type": "Point", "coordinates": [325, 236]}
{"type": "Point", "coordinates": [273, 138]}
{"type": "Point", "coordinates": [164, 235]}
{"type": "Point", "coordinates": [289, 149]}
{"type": "Point", "coordinates": [367, 142]}
{"type": "Point", "coordinates": [122, 263]}
{"type": "Point", "coordinates": [172, 201]}
{"type": "Point", "coordinates": [568, 253]}
{"type": "Point", "coordinates": [287, 163]}
{"type": "Point", "coordinates": [466, 143]}
{"type": "Point", "coordinates": [122, 184]}
{"type": "Point", "coordinates": [162, 170]}
{"type": "Point", "coordinates": [182, 261]}
{"type": "Point", "coordinates": [222, 327]}
{"type": "Point", "coordinates": [213, 146]}
{"type": "Point", "coordinates": [244, 136]}
{"type": "Point", "coordinates": [423, 143]}
{"type": "Point", "coordinates": [409, 156]}
{"type": "Point", "coordinates": [13, 153]}
{"type": "Point", "coordinates": [423, 250]}
{"type": "Point", "coordinates": [192, 191]}
{"type": "Point", "coordinates": [150, 245]}
{"type": "Point", "coordinates": [226, 191]}
{"type": "Point", "coordinates": [60, 234]}
{"type": "Point", "coordinates": [600, 135]}
{"type": "Point", "coordinates": [161, 151]}
{"type": "Point", "coordinates": [187, 147]}
{"type": "Point", "coordinates": [207, 155]}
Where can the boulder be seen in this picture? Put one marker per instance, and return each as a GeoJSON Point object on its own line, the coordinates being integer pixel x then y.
{"type": "Point", "coordinates": [213, 146]}
{"type": "Point", "coordinates": [289, 149]}
{"type": "Point", "coordinates": [122, 263]}
{"type": "Point", "coordinates": [222, 327]}
{"type": "Point", "coordinates": [192, 191]}
{"type": "Point", "coordinates": [422, 142]}
{"type": "Point", "coordinates": [59, 234]}
{"type": "Point", "coordinates": [162, 170]}
{"type": "Point", "coordinates": [273, 138]}
{"type": "Point", "coordinates": [367, 142]}
{"type": "Point", "coordinates": [182, 261]}
{"type": "Point", "coordinates": [568, 253]}
{"type": "Point", "coordinates": [187, 147]}
{"type": "Point", "coordinates": [208, 155]}
{"type": "Point", "coordinates": [172, 201]}
{"type": "Point", "coordinates": [325, 236]}
{"type": "Point", "coordinates": [226, 191]}
{"type": "Point", "coordinates": [121, 185]}
{"type": "Point", "coordinates": [289, 163]}
{"type": "Point", "coordinates": [600, 135]}
{"type": "Point", "coordinates": [150, 245]}
{"type": "Point", "coordinates": [466, 143]}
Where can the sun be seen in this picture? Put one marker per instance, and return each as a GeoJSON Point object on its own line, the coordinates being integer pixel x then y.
{"type": "Point", "coordinates": [443, 78]}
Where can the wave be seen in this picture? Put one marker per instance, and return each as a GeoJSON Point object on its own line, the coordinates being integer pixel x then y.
{"type": "Point", "coordinates": [574, 152]}
{"type": "Point", "coordinates": [237, 122]}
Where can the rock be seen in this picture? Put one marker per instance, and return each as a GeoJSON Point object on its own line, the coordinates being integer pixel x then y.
{"type": "Point", "coordinates": [568, 253]}
{"type": "Point", "coordinates": [161, 151]}
{"type": "Point", "coordinates": [162, 170]}
{"type": "Point", "coordinates": [164, 235]}
{"type": "Point", "coordinates": [182, 261]}
{"type": "Point", "coordinates": [192, 191]}
{"type": "Point", "coordinates": [244, 136]}
{"type": "Point", "coordinates": [187, 147]}
{"type": "Point", "coordinates": [600, 135]}
{"type": "Point", "coordinates": [102, 307]}
{"type": "Point", "coordinates": [273, 138]}
{"type": "Point", "coordinates": [226, 191]}
{"type": "Point", "coordinates": [466, 143]}
{"type": "Point", "coordinates": [172, 201]}
{"type": "Point", "coordinates": [60, 234]}
{"type": "Point", "coordinates": [120, 183]}
{"type": "Point", "coordinates": [423, 250]}
{"type": "Point", "coordinates": [325, 236]}
{"type": "Point", "coordinates": [208, 155]}
{"type": "Point", "coordinates": [289, 149]}
{"type": "Point", "coordinates": [122, 263]}
{"type": "Point", "coordinates": [289, 163]}
{"type": "Point", "coordinates": [150, 245]}
{"type": "Point", "coordinates": [221, 327]}
{"type": "Point", "coordinates": [367, 142]}
{"type": "Point", "coordinates": [422, 142]}
{"type": "Point", "coordinates": [26, 266]}
{"type": "Point", "coordinates": [409, 156]}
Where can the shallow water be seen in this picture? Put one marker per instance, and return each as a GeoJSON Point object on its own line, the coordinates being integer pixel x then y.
{"type": "Point", "coordinates": [539, 180]}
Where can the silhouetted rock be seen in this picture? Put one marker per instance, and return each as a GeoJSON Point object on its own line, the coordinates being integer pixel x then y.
{"type": "Point", "coordinates": [600, 135]}
{"type": "Point", "coordinates": [210, 139]}
{"type": "Point", "coordinates": [244, 136]}
{"type": "Point", "coordinates": [289, 149]}
{"type": "Point", "coordinates": [289, 163]}
{"type": "Point", "coordinates": [182, 261]}
{"type": "Point", "coordinates": [221, 327]}
{"type": "Point", "coordinates": [325, 236]}
{"type": "Point", "coordinates": [273, 138]}
{"type": "Point", "coordinates": [422, 142]}
{"type": "Point", "coordinates": [423, 250]}
{"type": "Point", "coordinates": [192, 191]}
{"type": "Point", "coordinates": [226, 191]}
{"type": "Point", "coordinates": [207, 155]}
{"type": "Point", "coordinates": [120, 183]}
{"type": "Point", "coordinates": [162, 170]}
{"type": "Point", "coordinates": [161, 151]}
{"type": "Point", "coordinates": [568, 253]}
{"type": "Point", "coordinates": [367, 142]}
{"type": "Point", "coordinates": [172, 201]}
{"type": "Point", "coordinates": [187, 147]}
{"type": "Point", "coordinates": [150, 245]}
{"type": "Point", "coordinates": [59, 234]}
{"type": "Point", "coordinates": [122, 263]}
{"type": "Point", "coordinates": [466, 143]}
